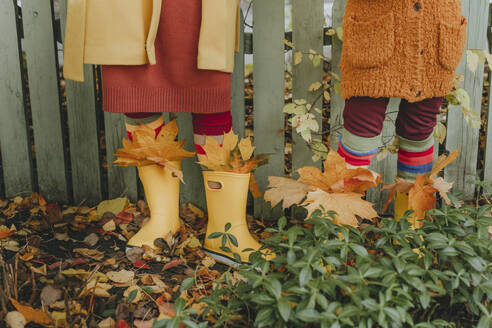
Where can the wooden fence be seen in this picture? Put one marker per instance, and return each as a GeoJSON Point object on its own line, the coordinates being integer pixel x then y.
{"type": "Point", "coordinates": [64, 161]}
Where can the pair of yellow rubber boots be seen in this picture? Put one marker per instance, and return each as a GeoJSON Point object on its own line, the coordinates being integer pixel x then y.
{"type": "Point", "coordinates": [226, 204]}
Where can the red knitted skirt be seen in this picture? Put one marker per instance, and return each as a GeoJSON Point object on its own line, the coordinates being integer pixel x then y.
{"type": "Point", "coordinates": [174, 84]}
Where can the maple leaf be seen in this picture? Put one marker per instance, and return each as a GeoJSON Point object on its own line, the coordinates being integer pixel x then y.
{"type": "Point", "coordinates": [35, 315]}
{"type": "Point", "coordinates": [337, 177]}
{"type": "Point", "coordinates": [443, 187]}
{"type": "Point", "coordinates": [287, 190]}
{"type": "Point", "coordinates": [443, 161]}
{"type": "Point", "coordinates": [231, 156]}
{"type": "Point", "coordinates": [421, 197]}
{"type": "Point", "coordinates": [147, 149]}
{"type": "Point", "coordinates": [400, 185]}
{"type": "Point", "coordinates": [346, 205]}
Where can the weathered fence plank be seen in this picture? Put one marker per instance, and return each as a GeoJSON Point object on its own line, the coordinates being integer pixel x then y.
{"type": "Point", "coordinates": [268, 74]}
{"type": "Point", "coordinates": [337, 102]}
{"type": "Point", "coordinates": [83, 133]}
{"type": "Point", "coordinates": [37, 18]}
{"type": "Point", "coordinates": [16, 159]}
{"type": "Point", "coordinates": [461, 136]}
{"type": "Point", "coordinates": [238, 110]}
{"type": "Point", "coordinates": [488, 145]}
{"type": "Point", "coordinates": [122, 181]}
{"type": "Point", "coordinates": [192, 190]}
{"type": "Point", "coordinates": [307, 33]}
{"type": "Point", "coordinates": [386, 166]}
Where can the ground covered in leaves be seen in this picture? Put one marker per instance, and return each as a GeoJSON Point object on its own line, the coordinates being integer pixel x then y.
{"type": "Point", "coordinates": [70, 267]}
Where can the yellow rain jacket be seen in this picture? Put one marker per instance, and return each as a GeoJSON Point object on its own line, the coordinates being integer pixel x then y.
{"type": "Point", "coordinates": [122, 32]}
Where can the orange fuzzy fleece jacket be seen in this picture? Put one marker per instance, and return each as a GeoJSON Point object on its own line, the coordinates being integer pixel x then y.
{"type": "Point", "coordinates": [401, 48]}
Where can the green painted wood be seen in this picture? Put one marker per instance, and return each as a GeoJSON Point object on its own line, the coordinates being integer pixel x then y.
{"type": "Point", "coordinates": [14, 144]}
{"type": "Point", "coordinates": [122, 181]}
{"type": "Point", "coordinates": [268, 73]}
{"type": "Point", "coordinates": [238, 110]}
{"type": "Point", "coordinates": [307, 33]}
{"type": "Point", "coordinates": [337, 102]}
{"type": "Point", "coordinates": [83, 133]}
{"type": "Point", "coordinates": [192, 190]}
{"type": "Point", "coordinates": [37, 18]}
{"type": "Point", "coordinates": [488, 145]}
{"type": "Point", "coordinates": [248, 40]}
{"type": "Point", "coordinates": [460, 135]}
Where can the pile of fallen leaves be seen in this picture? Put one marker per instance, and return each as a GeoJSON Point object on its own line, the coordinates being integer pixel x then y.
{"type": "Point", "coordinates": [233, 155]}
{"type": "Point", "coordinates": [147, 149]}
{"type": "Point", "coordinates": [422, 191]}
{"type": "Point", "coordinates": [338, 189]}
{"type": "Point", "coordinates": [67, 267]}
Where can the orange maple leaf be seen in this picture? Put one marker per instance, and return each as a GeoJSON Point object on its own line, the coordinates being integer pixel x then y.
{"type": "Point", "coordinates": [338, 188]}
{"type": "Point", "coordinates": [337, 177]}
{"type": "Point", "coordinates": [32, 315]}
{"type": "Point", "coordinates": [421, 197]}
{"type": "Point", "coordinates": [147, 149]}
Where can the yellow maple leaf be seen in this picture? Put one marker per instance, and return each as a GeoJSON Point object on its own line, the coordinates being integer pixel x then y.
{"type": "Point", "coordinates": [346, 205]}
{"type": "Point", "coordinates": [246, 148]}
{"type": "Point", "coordinates": [442, 162]}
{"type": "Point", "coordinates": [231, 156]}
{"type": "Point", "coordinates": [400, 185]}
{"type": "Point", "coordinates": [287, 190]}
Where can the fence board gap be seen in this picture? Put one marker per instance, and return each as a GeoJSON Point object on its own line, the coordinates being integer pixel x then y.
{"type": "Point", "coordinates": [14, 142]}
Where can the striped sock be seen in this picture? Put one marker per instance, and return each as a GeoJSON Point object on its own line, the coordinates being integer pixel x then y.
{"type": "Point", "coordinates": [213, 125]}
{"type": "Point", "coordinates": [152, 120]}
{"type": "Point", "coordinates": [415, 157]}
{"type": "Point", "coordinates": [357, 151]}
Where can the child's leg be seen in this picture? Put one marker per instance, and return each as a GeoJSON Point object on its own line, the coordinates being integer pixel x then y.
{"type": "Point", "coordinates": [414, 127]}
{"type": "Point", "coordinates": [152, 120]}
{"type": "Point", "coordinates": [215, 125]}
{"type": "Point", "coordinates": [363, 121]}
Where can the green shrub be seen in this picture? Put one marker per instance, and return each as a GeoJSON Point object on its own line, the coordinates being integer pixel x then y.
{"type": "Point", "coordinates": [384, 275]}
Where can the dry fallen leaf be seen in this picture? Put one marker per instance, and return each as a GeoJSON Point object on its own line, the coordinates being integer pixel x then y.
{"type": "Point", "coordinates": [287, 190]}
{"type": "Point", "coordinates": [90, 253]}
{"type": "Point", "coordinates": [400, 185]}
{"type": "Point", "coordinates": [15, 319]}
{"type": "Point", "coordinates": [147, 149]}
{"type": "Point", "coordinates": [443, 188]}
{"type": "Point", "coordinates": [32, 315]}
{"type": "Point", "coordinates": [121, 277]}
{"type": "Point", "coordinates": [421, 197]}
{"type": "Point", "coordinates": [346, 205]}
{"type": "Point", "coordinates": [338, 189]}
{"type": "Point", "coordinates": [442, 162]}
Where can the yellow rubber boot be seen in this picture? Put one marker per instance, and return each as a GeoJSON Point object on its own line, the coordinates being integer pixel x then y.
{"type": "Point", "coordinates": [227, 204]}
{"type": "Point", "coordinates": [162, 193]}
{"type": "Point", "coordinates": [401, 206]}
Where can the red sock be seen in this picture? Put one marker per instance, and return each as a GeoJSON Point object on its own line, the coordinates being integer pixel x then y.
{"type": "Point", "coordinates": [215, 124]}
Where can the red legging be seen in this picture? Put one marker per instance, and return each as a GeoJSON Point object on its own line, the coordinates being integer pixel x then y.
{"type": "Point", "coordinates": [213, 124]}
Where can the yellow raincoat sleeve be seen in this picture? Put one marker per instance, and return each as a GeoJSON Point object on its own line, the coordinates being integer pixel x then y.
{"type": "Point", "coordinates": [219, 35]}
{"type": "Point", "coordinates": [73, 53]}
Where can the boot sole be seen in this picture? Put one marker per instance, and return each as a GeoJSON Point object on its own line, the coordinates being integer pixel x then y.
{"type": "Point", "coordinates": [224, 259]}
